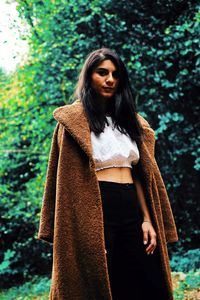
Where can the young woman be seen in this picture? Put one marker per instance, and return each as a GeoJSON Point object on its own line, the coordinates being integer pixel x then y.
{"type": "Point", "coordinates": [105, 206]}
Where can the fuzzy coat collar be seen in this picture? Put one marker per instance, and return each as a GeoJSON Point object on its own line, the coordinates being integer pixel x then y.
{"type": "Point", "coordinates": [73, 118]}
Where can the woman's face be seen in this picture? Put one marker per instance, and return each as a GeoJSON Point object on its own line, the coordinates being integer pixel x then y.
{"type": "Point", "coordinates": [104, 79]}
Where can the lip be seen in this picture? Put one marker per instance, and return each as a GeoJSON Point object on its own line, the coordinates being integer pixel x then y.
{"type": "Point", "coordinates": [108, 88]}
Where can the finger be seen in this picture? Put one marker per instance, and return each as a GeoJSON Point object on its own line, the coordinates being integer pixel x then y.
{"type": "Point", "coordinates": [145, 237]}
{"type": "Point", "coordinates": [150, 248]}
{"type": "Point", "coordinates": [152, 244]}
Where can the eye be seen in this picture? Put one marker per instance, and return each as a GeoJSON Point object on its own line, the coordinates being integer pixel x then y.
{"type": "Point", "coordinates": [102, 72]}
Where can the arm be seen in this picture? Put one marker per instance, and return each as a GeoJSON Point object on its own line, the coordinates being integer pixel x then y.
{"type": "Point", "coordinates": [46, 226]}
{"type": "Point", "coordinates": [142, 201]}
{"type": "Point", "coordinates": [147, 226]}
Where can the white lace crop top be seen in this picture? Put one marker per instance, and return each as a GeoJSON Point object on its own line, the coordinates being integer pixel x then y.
{"type": "Point", "coordinates": [113, 149]}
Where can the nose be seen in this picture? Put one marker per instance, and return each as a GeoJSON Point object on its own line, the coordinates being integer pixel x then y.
{"type": "Point", "coordinates": [110, 79]}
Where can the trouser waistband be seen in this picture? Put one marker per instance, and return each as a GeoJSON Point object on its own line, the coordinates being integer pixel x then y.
{"type": "Point", "coordinates": [116, 184]}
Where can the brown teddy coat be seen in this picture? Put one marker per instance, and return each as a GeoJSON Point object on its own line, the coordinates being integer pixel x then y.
{"type": "Point", "coordinates": [72, 216]}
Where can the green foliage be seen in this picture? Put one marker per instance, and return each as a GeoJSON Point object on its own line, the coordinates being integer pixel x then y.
{"type": "Point", "coordinates": [38, 286]}
{"type": "Point", "coordinates": [188, 285]}
{"type": "Point", "coordinates": [6, 262]}
{"type": "Point", "coordinates": [159, 44]}
{"type": "Point", "coordinates": [185, 261]}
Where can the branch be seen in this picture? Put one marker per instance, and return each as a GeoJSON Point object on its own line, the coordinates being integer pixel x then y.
{"type": "Point", "coordinates": [23, 151]}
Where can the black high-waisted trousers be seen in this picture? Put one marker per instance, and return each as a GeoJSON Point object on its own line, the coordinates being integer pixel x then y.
{"type": "Point", "coordinates": [133, 274]}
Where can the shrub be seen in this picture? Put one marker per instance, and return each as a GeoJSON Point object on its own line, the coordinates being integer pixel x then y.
{"type": "Point", "coordinates": [185, 262]}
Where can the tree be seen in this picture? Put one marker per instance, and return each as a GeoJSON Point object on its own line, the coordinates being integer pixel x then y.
{"type": "Point", "coordinates": [159, 43]}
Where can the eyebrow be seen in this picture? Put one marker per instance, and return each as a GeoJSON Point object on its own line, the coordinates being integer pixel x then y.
{"type": "Point", "coordinates": [104, 69]}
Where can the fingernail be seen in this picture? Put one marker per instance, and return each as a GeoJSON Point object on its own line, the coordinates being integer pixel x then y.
{"type": "Point", "coordinates": [151, 252]}
{"type": "Point", "coordinates": [145, 242]}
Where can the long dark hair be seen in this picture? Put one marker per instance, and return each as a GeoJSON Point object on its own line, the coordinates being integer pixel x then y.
{"type": "Point", "coordinates": [121, 107]}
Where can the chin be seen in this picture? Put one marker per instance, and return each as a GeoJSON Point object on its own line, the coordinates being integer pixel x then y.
{"type": "Point", "coordinates": [107, 96]}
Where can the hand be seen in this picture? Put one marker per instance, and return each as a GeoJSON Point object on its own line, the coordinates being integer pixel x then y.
{"type": "Point", "coordinates": [149, 232]}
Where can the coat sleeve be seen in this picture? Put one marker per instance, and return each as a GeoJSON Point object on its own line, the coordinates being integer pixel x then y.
{"type": "Point", "coordinates": [168, 218]}
{"type": "Point", "coordinates": [46, 226]}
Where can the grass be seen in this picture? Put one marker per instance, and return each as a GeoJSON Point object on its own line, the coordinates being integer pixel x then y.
{"type": "Point", "coordinates": [186, 287]}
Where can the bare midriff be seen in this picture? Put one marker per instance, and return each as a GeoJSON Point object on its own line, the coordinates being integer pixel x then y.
{"type": "Point", "coordinates": [120, 175]}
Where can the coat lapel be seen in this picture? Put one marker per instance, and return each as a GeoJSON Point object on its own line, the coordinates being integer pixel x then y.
{"type": "Point", "coordinates": [73, 118]}
{"type": "Point", "coordinates": [145, 163]}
